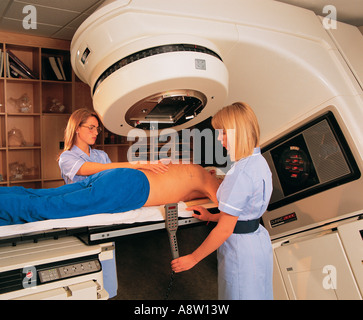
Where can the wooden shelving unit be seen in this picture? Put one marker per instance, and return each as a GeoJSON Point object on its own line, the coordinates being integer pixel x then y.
{"type": "Point", "coordinates": [31, 137]}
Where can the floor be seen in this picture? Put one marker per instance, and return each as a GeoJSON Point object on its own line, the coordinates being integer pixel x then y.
{"type": "Point", "coordinates": [144, 273]}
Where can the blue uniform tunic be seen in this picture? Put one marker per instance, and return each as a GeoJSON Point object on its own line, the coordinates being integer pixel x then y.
{"type": "Point", "coordinates": [245, 260]}
{"type": "Point", "coordinates": [72, 160]}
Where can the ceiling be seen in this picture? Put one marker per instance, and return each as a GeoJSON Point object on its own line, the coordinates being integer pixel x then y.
{"type": "Point", "coordinates": [60, 18]}
{"type": "Point", "coordinates": [55, 18]}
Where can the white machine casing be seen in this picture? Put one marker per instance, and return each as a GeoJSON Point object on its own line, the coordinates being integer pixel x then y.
{"type": "Point", "coordinates": [48, 257]}
{"type": "Point", "coordinates": [276, 57]}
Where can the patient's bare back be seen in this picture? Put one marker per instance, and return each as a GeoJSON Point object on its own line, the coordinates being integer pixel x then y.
{"type": "Point", "coordinates": [182, 182]}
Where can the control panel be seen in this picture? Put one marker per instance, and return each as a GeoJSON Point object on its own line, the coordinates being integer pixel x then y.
{"type": "Point", "coordinates": [171, 224]}
{"type": "Point", "coordinates": [69, 270]}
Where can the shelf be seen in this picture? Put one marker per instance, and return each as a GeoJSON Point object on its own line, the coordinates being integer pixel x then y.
{"type": "Point", "coordinates": [30, 133]}
{"type": "Point", "coordinates": [23, 131]}
{"type": "Point", "coordinates": [24, 114]}
{"type": "Point", "coordinates": [56, 65]}
{"type": "Point", "coordinates": [23, 80]}
{"type": "Point", "coordinates": [24, 148]}
{"type": "Point", "coordinates": [21, 61]}
{"type": "Point", "coordinates": [55, 114]}
{"type": "Point", "coordinates": [56, 82]}
{"type": "Point", "coordinates": [56, 97]}
{"type": "Point", "coordinates": [22, 97]}
{"type": "Point", "coordinates": [26, 179]}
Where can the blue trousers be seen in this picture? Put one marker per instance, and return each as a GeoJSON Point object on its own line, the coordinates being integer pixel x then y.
{"type": "Point", "coordinates": [109, 191]}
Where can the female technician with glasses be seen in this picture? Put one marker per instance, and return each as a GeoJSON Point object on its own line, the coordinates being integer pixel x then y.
{"type": "Point", "coordinates": [79, 159]}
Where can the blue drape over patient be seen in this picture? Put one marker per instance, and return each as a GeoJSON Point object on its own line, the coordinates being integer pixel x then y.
{"type": "Point", "coordinates": [109, 191]}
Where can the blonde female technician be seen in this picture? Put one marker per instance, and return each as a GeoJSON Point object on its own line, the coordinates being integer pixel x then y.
{"type": "Point", "coordinates": [244, 246]}
{"type": "Point", "coordinates": [80, 160]}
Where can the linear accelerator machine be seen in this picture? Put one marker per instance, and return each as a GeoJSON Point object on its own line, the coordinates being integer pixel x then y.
{"type": "Point", "coordinates": [177, 62]}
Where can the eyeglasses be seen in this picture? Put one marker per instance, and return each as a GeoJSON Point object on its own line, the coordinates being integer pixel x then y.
{"type": "Point", "coordinates": [91, 128]}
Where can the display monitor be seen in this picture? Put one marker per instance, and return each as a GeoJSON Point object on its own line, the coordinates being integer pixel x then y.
{"type": "Point", "coordinates": [308, 160]}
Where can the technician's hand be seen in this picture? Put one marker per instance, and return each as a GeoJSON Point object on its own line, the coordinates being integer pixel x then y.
{"type": "Point", "coordinates": [158, 167]}
{"type": "Point", "coordinates": [203, 215]}
{"type": "Point", "coordinates": [183, 263]}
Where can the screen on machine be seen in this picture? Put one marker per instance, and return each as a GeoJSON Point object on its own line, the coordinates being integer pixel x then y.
{"type": "Point", "coordinates": [309, 160]}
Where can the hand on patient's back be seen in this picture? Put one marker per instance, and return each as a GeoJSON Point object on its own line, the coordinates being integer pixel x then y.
{"type": "Point", "coordinates": [157, 167]}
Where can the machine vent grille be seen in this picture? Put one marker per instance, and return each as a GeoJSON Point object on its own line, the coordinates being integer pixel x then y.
{"type": "Point", "coordinates": [11, 281]}
{"type": "Point", "coordinates": [151, 52]}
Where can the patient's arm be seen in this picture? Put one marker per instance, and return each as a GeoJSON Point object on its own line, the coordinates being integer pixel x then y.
{"type": "Point", "coordinates": [182, 182]}
{"type": "Point", "coordinates": [89, 168]}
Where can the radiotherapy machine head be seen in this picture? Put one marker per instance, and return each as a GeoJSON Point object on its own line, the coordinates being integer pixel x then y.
{"type": "Point", "coordinates": [140, 78]}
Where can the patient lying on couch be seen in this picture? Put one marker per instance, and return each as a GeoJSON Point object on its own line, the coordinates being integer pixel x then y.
{"type": "Point", "coordinates": [109, 191]}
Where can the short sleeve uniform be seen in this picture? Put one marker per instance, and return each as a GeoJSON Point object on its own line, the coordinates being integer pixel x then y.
{"type": "Point", "coordinates": [246, 190]}
{"type": "Point", "coordinates": [245, 260]}
{"type": "Point", "coordinates": [72, 160]}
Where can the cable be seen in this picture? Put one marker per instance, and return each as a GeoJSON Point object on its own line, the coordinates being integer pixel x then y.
{"type": "Point", "coordinates": [171, 282]}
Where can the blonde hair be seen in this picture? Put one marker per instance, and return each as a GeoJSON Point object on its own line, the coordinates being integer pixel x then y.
{"type": "Point", "coordinates": [239, 120]}
{"type": "Point", "coordinates": [77, 118]}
